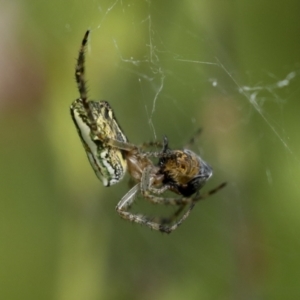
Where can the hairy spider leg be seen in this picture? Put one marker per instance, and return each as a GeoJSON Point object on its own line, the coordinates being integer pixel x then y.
{"type": "Point", "coordinates": [80, 79]}
{"type": "Point", "coordinates": [195, 199]}
{"type": "Point", "coordinates": [162, 223]}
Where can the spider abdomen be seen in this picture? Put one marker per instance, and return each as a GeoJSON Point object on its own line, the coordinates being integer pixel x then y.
{"type": "Point", "coordinates": [185, 171]}
{"type": "Point", "coordinates": [107, 162]}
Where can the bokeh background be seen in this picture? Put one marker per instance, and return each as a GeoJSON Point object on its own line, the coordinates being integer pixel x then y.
{"type": "Point", "coordinates": [166, 67]}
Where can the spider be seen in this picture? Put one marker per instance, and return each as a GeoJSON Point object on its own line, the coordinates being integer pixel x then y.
{"type": "Point", "coordinates": [111, 155]}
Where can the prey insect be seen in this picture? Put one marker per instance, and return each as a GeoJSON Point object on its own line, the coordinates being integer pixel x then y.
{"type": "Point", "coordinates": [181, 172]}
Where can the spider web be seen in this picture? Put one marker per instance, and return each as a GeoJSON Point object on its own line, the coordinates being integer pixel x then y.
{"type": "Point", "coordinates": [173, 88]}
{"type": "Point", "coordinates": [157, 51]}
{"type": "Point", "coordinates": [154, 76]}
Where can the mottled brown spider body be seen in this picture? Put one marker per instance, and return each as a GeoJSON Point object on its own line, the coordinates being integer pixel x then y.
{"type": "Point", "coordinates": [111, 156]}
{"type": "Point", "coordinates": [183, 170]}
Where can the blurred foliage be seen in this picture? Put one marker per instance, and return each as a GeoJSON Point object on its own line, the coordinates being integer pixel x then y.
{"type": "Point", "coordinates": [211, 64]}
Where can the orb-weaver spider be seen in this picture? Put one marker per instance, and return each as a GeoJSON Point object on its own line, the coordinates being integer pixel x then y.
{"type": "Point", "coordinates": [110, 154]}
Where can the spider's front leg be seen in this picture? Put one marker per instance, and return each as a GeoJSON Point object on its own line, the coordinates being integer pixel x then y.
{"type": "Point", "coordinates": [127, 200]}
{"type": "Point", "coordinates": [151, 144]}
{"type": "Point", "coordinates": [161, 224]}
{"type": "Point", "coordinates": [124, 205]}
{"type": "Point", "coordinates": [114, 143]}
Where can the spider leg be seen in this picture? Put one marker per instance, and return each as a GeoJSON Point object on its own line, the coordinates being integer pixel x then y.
{"type": "Point", "coordinates": [169, 229]}
{"type": "Point", "coordinates": [173, 217]}
{"type": "Point", "coordinates": [143, 220]}
{"type": "Point", "coordinates": [209, 193]}
{"type": "Point", "coordinates": [150, 192]}
{"type": "Point", "coordinates": [124, 205]}
{"type": "Point", "coordinates": [164, 144]}
{"type": "Point", "coordinates": [115, 143]}
{"type": "Point", "coordinates": [79, 71]}
{"type": "Point", "coordinates": [160, 225]}
{"type": "Point", "coordinates": [81, 83]}
{"type": "Point", "coordinates": [193, 200]}
{"type": "Point", "coordinates": [176, 201]}
{"type": "Point", "coordinates": [147, 181]}
{"type": "Point", "coordinates": [155, 144]}
{"type": "Point", "coordinates": [168, 201]}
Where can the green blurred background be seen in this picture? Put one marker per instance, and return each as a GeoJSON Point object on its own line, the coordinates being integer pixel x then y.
{"type": "Point", "coordinates": [166, 67]}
